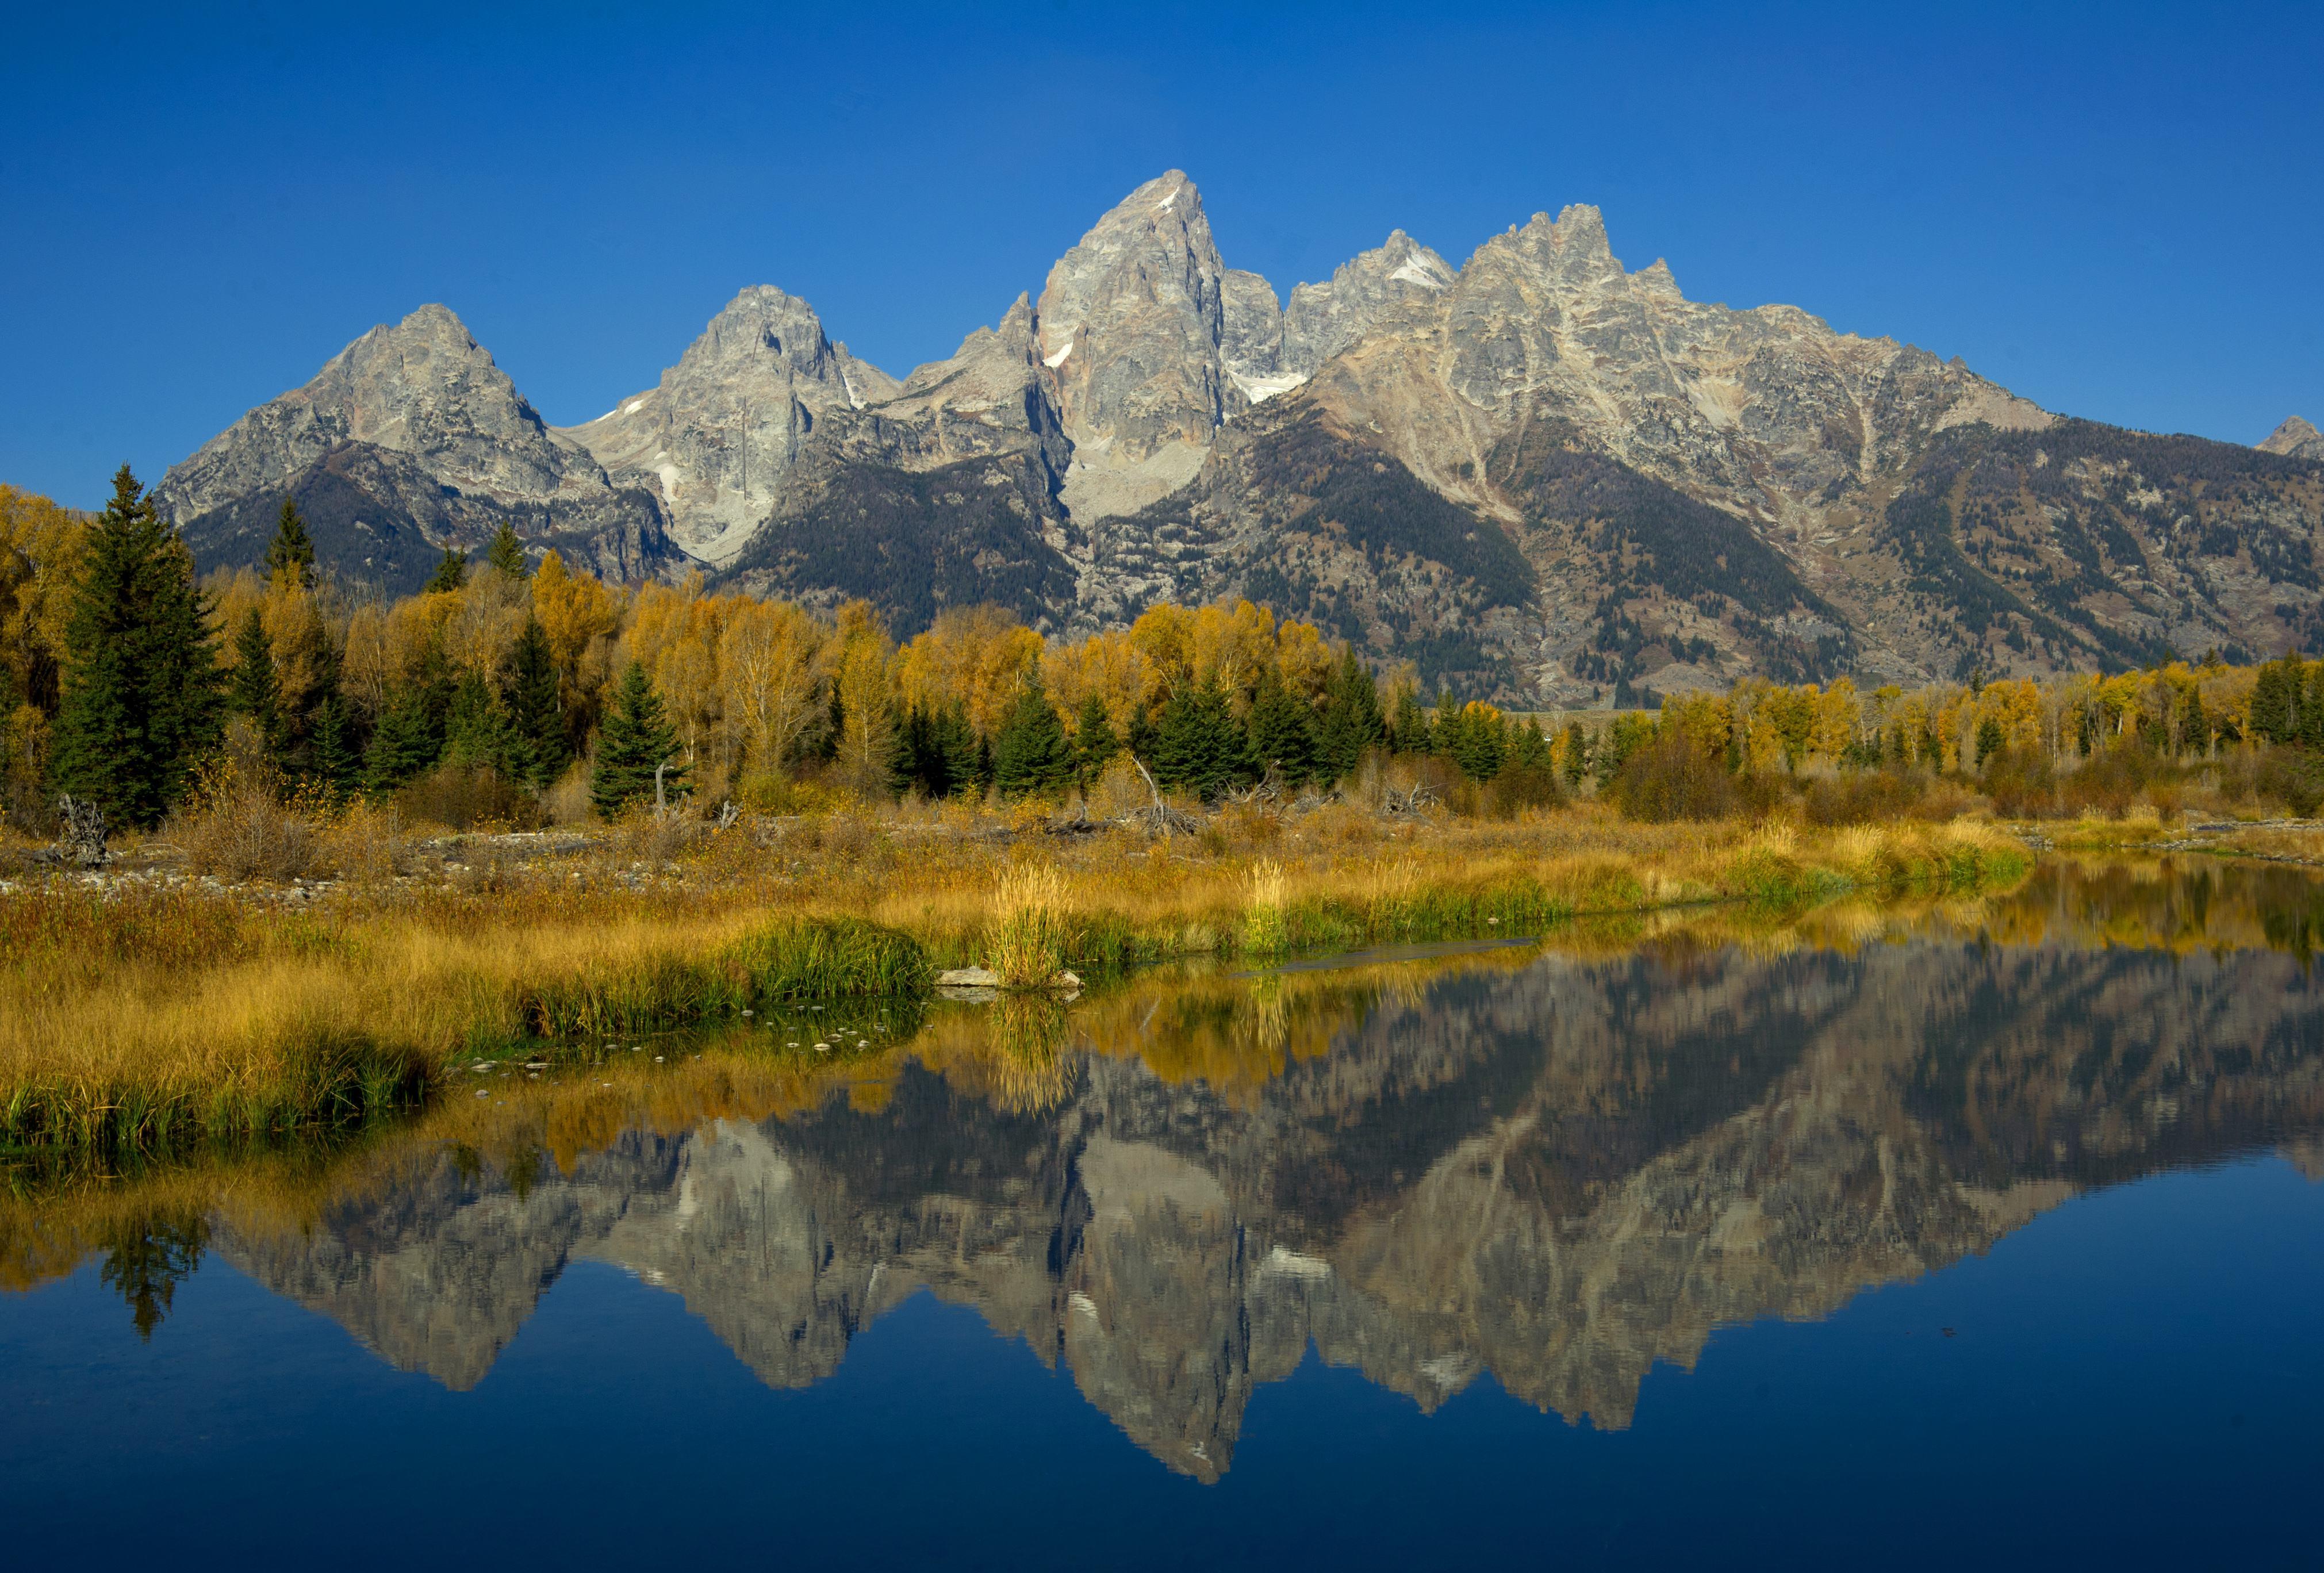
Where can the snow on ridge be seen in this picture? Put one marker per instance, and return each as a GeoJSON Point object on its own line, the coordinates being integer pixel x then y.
{"type": "Point", "coordinates": [1417, 271]}
{"type": "Point", "coordinates": [1054, 361]}
{"type": "Point", "coordinates": [1260, 390]}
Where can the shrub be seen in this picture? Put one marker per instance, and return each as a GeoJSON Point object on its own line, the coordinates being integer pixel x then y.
{"type": "Point", "coordinates": [1520, 788]}
{"type": "Point", "coordinates": [464, 796]}
{"type": "Point", "coordinates": [2110, 782]}
{"type": "Point", "coordinates": [236, 825]}
{"type": "Point", "coordinates": [2294, 778]}
{"type": "Point", "coordinates": [1670, 778]}
{"type": "Point", "coordinates": [1863, 796]}
{"type": "Point", "coordinates": [2021, 782]}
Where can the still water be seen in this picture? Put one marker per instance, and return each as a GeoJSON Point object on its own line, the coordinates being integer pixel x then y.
{"type": "Point", "coordinates": [1976, 1232]}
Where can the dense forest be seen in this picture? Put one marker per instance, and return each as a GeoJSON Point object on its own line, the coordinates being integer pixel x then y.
{"type": "Point", "coordinates": [516, 690]}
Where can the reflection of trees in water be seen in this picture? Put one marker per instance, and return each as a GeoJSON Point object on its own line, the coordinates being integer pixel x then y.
{"type": "Point", "coordinates": [145, 1261]}
{"type": "Point", "coordinates": [1555, 1169]}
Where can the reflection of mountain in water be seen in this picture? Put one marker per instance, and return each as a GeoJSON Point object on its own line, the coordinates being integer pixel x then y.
{"type": "Point", "coordinates": [1557, 1175]}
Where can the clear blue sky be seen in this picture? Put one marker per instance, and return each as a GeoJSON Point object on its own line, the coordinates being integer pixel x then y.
{"type": "Point", "coordinates": [2117, 211]}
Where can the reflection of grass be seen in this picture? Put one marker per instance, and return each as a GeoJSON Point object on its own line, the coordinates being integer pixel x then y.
{"type": "Point", "coordinates": [134, 1022]}
{"type": "Point", "coordinates": [1187, 1022]}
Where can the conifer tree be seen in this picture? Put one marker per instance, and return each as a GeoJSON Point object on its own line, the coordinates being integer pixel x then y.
{"type": "Point", "coordinates": [536, 751]}
{"type": "Point", "coordinates": [507, 553]}
{"type": "Point", "coordinates": [1408, 734]}
{"type": "Point", "coordinates": [1031, 754]}
{"type": "Point", "coordinates": [1199, 746]}
{"type": "Point", "coordinates": [1138, 737]}
{"type": "Point", "coordinates": [634, 741]}
{"type": "Point", "coordinates": [1352, 721]}
{"type": "Point", "coordinates": [476, 727]}
{"type": "Point", "coordinates": [1094, 743]}
{"type": "Point", "coordinates": [292, 550]}
{"type": "Point", "coordinates": [906, 740]}
{"type": "Point", "coordinates": [406, 741]}
{"type": "Point", "coordinates": [332, 763]}
{"type": "Point", "coordinates": [451, 572]}
{"type": "Point", "coordinates": [139, 706]}
{"type": "Point", "coordinates": [255, 690]}
{"type": "Point", "coordinates": [1282, 730]}
{"type": "Point", "coordinates": [1577, 753]}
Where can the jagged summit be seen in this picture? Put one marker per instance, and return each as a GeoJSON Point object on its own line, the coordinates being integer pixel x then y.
{"type": "Point", "coordinates": [1540, 476]}
{"type": "Point", "coordinates": [716, 439]}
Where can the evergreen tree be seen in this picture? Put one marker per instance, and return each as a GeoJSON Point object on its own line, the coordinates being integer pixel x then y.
{"type": "Point", "coordinates": [1031, 754]}
{"type": "Point", "coordinates": [1094, 744]}
{"type": "Point", "coordinates": [332, 763]}
{"type": "Point", "coordinates": [292, 550]}
{"type": "Point", "coordinates": [1474, 741]}
{"type": "Point", "coordinates": [958, 752]}
{"type": "Point", "coordinates": [408, 740]}
{"type": "Point", "coordinates": [902, 762]}
{"type": "Point", "coordinates": [1577, 753]}
{"type": "Point", "coordinates": [1282, 729]}
{"type": "Point", "coordinates": [451, 572]}
{"type": "Point", "coordinates": [1409, 733]}
{"type": "Point", "coordinates": [634, 740]}
{"type": "Point", "coordinates": [536, 751]}
{"type": "Point", "coordinates": [1528, 749]}
{"type": "Point", "coordinates": [1138, 736]}
{"type": "Point", "coordinates": [1351, 722]}
{"type": "Point", "coordinates": [255, 689]}
{"type": "Point", "coordinates": [139, 701]}
{"type": "Point", "coordinates": [1199, 746]}
{"type": "Point", "coordinates": [507, 553]}
{"type": "Point", "coordinates": [476, 727]}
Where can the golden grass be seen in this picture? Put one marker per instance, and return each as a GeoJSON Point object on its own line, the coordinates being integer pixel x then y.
{"type": "Point", "coordinates": [154, 1019]}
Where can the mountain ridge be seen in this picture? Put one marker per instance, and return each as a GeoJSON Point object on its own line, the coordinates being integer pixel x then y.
{"type": "Point", "coordinates": [1108, 440]}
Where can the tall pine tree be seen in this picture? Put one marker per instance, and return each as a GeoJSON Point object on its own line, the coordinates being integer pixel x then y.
{"type": "Point", "coordinates": [451, 572]}
{"type": "Point", "coordinates": [1031, 755]}
{"type": "Point", "coordinates": [1198, 745]}
{"type": "Point", "coordinates": [292, 550]}
{"type": "Point", "coordinates": [1095, 742]}
{"type": "Point", "coordinates": [634, 740]}
{"type": "Point", "coordinates": [1352, 721]}
{"type": "Point", "coordinates": [1282, 728]}
{"type": "Point", "coordinates": [506, 553]}
{"type": "Point", "coordinates": [255, 689]}
{"type": "Point", "coordinates": [537, 749]}
{"type": "Point", "coordinates": [140, 703]}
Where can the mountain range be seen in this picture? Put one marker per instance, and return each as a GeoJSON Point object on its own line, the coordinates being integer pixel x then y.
{"type": "Point", "coordinates": [1539, 476]}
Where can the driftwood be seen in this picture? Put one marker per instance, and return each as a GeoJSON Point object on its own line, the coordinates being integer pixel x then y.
{"type": "Point", "coordinates": [80, 833]}
{"type": "Point", "coordinates": [1411, 802]}
{"type": "Point", "coordinates": [1161, 816]}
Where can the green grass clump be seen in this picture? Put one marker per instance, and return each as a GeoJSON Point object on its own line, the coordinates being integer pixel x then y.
{"type": "Point", "coordinates": [788, 959]}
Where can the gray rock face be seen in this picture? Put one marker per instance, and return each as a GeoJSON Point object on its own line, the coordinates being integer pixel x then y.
{"type": "Point", "coordinates": [718, 437]}
{"type": "Point", "coordinates": [1322, 320]}
{"type": "Point", "coordinates": [409, 431]}
{"type": "Point", "coordinates": [1708, 492]}
{"type": "Point", "coordinates": [1130, 325]}
{"type": "Point", "coordinates": [424, 388]}
{"type": "Point", "coordinates": [2296, 439]}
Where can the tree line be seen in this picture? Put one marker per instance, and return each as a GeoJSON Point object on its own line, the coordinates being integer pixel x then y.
{"type": "Point", "coordinates": [123, 679]}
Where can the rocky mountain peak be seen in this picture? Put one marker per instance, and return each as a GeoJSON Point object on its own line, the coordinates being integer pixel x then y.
{"type": "Point", "coordinates": [719, 434]}
{"type": "Point", "coordinates": [1324, 319]}
{"type": "Point", "coordinates": [1132, 323]}
{"type": "Point", "coordinates": [2295, 439]}
{"type": "Point", "coordinates": [423, 387]}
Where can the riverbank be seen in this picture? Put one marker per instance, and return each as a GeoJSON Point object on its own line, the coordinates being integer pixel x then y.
{"type": "Point", "coordinates": [153, 1009]}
